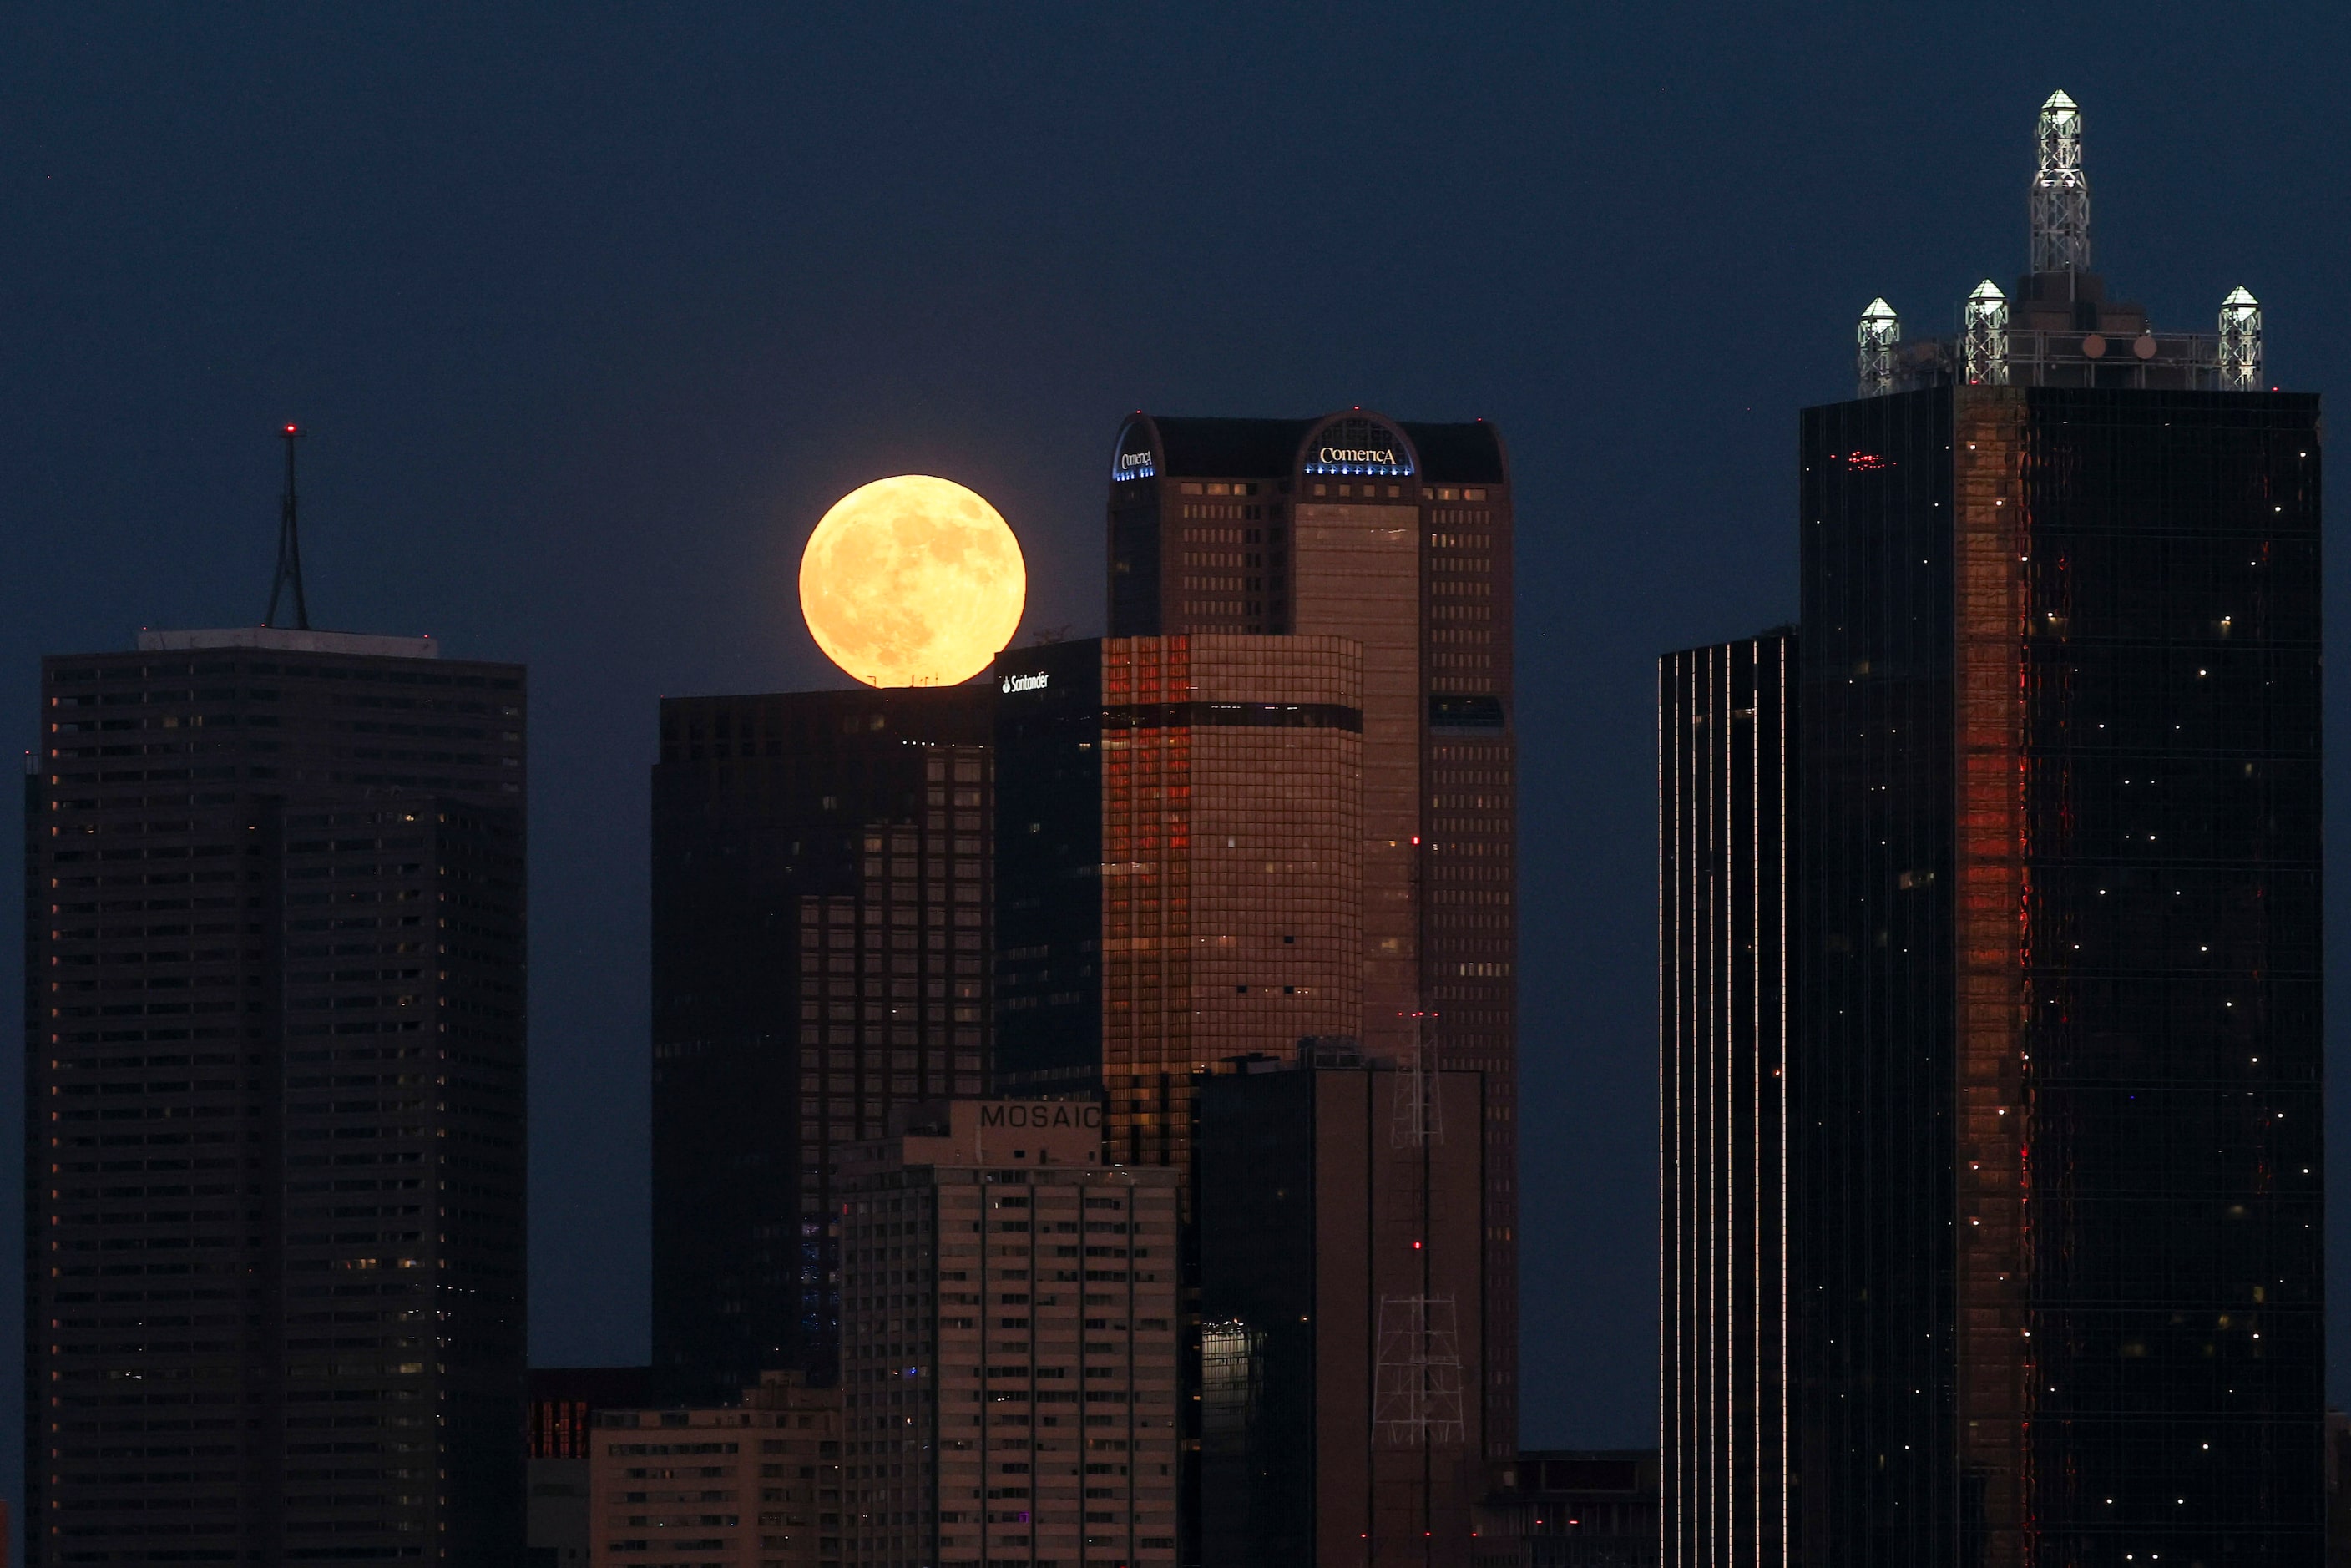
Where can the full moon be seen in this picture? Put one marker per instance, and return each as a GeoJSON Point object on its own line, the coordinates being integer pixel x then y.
{"type": "Point", "coordinates": [913, 582]}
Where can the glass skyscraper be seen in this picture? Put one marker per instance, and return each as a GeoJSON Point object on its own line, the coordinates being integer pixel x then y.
{"type": "Point", "coordinates": [821, 919]}
{"type": "Point", "coordinates": [1725, 761]}
{"type": "Point", "coordinates": [2060, 1056]}
{"type": "Point", "coordinates": [1397, 537]}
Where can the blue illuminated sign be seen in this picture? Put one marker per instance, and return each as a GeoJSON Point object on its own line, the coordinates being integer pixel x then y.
{"type": "Point", "coordinates": [1132, 458]}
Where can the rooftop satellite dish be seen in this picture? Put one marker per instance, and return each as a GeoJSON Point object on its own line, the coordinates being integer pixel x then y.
{"type": "Point", "coordinates": [2093, 346]}
{"type": "Point", "coordinates": [2143, 345]}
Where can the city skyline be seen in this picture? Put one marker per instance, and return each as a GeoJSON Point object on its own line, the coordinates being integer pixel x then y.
{"type": "Point", "coordinates": [174, 528]}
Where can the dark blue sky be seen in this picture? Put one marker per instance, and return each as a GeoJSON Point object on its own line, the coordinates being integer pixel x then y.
{"type": "Point", "coordinates": [592, 310]}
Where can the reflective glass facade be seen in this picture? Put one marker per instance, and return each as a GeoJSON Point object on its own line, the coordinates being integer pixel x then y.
{"type": "Point", "coordinates": [821, 920]}
{"type": "Point", "coordinates": [1341, 1314]}
{"type": "Point", "coordinates": [1725, 734]}
{"type": "Point", "coordinates": [2058, 1068]}
{"type": "Point", "coordinates": [1205, 906]}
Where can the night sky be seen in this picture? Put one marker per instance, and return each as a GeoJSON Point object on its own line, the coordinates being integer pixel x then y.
{"type": "Point", "coordinates": [592, 310]}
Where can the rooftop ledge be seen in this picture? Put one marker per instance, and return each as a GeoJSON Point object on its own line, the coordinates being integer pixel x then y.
{"type": "Point", "coordinates": [288, 640]}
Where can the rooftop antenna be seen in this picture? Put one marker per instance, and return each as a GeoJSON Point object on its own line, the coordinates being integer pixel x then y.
{"type": "Point", "coordinates": [289, 546]}
{"type": "Point", "coordinates": [2061, 190]}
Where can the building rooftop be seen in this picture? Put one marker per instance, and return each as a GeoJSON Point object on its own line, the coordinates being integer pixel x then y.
{"type": "Point", "coordinates": [288, 640]}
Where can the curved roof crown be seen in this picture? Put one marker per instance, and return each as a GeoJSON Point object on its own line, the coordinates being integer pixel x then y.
{"type": "Point", "coordinates": [1465, 454]}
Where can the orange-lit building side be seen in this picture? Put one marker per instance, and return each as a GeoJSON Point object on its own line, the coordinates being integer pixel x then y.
{"type": "Point", "coordinates": [1993, 908]}
{"type": "Point", "coordinates": [1231, 868]}
{"type": "Point", "coordinates": [1146, 903]}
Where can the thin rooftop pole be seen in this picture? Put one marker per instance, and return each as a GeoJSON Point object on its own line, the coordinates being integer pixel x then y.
{"type": "Point", "coordinates": [289, 546]}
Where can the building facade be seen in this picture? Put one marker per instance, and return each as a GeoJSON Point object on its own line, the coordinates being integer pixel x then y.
{"type": "Point", "coordinates": [1179, 866]}
{"type": "Point", "coordinates": [275, 1159]}
{"type": "Point", "coordinates": [752, 1484]}
{"type": "Point", "coordinates": [821, 889]}
{"type": "Point", "coordinates": [1396, 537]}
{"type": "Point", "coordinates": [2058, 1058]}
{"type": "Point", "coordinates": [1572, 1508]}
{"type": "Point", "coordinates": [1010, 1321]}
{"type": "Point", "coordinates": [1725, 853]}
{"type": "Point", "coordinates": [1342, 1343]}
{"type": "Point", "coordinates": [562, 1419]}
{"type": "Point", "coordinates": [2061, 738]}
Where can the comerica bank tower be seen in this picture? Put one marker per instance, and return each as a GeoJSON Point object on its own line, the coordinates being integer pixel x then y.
{"type": "Point", "coordinates": [1396, 537]}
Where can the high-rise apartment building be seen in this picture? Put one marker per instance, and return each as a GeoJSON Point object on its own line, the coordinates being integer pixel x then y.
{"type": "Point", "coordinates": [2058, 1058]}
{"type": "Point", "coordinates": [1342, 1314]}
{"type": "Point", "coordinates": [821, 890]}
{"type": "Point", "coordinates": [1725, 732]}
{"type": "Point", "coordinates": [1010, 1327]}
{"type": "Point", "coordinates": [1178, 867]}
{"type": "Point", "coordinates": [274, 1072]}
{"type": "Point", "coordinates": [1397, 537]}
{"type": "Point", "coordinates": [755, 1483]}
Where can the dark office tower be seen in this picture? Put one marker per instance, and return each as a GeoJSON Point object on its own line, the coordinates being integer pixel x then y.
{"type": "Point", "coordinates": [274, 1066]}
{"type": "Point", "coordinates": [820, 953]}
{"type": "Point", "coordinates": [1724, 724]}
{"type": "Point", "coordinates": [1398, 538]}
{"type": "Point", "coordinates": [2058, 1057]}
{"type": "Point", "coordinates": [1177, 866]}
{"type": "Point", "coordinates": [1341, 1277]}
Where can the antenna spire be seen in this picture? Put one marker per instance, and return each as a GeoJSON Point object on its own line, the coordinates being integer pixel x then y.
{"type": "Point", "coordinates": [289, 546]}
{"type": "Point", "coordinates": [2061, 190]}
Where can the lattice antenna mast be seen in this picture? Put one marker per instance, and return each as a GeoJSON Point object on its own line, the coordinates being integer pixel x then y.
{"type": "Point", "coordinates": [1419, 1115]}
{"type": "Point", "coordinates": [2060, 192]}
{"type": "Point", "coordinates": [1983, 342]}
{"type": "Point", "coordinates": [1416, 1394]}
{"type": "Point", "coordinates": [289, 547]}
{"type": "Point", "coordinates": [2240, 342]}
{"type": "Point", "coordinates": [1874, 341]}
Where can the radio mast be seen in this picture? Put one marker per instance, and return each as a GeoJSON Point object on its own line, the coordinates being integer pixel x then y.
{"type": "Point", "coordinates": [289, 546]}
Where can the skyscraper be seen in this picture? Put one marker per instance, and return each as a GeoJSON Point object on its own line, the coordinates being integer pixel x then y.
{"type": "Point", "coordinates": [821, 938]}
{"type": "Point", "coordinates": [2056, 1077]}
{"type": "Point", "coordinates": [1177, 872]}
{"type": "Point", "coordinates": [274, 1064]}
{"type": "Point", "coordinates": [1396, 537]}
{"type": "Point", "coordinates": [1342, 1315]}
{"type": "Point", "coordinates": [1725, 724]}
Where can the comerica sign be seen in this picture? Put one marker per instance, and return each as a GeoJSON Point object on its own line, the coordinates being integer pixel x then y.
{"type": "Point", "coordinates": [1359, 446]}
{"type": "Point", "coordinates": [1132, 458]}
